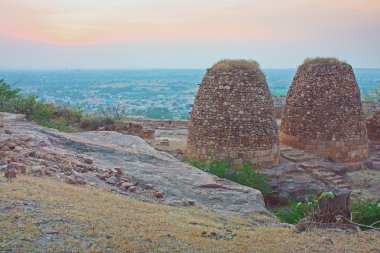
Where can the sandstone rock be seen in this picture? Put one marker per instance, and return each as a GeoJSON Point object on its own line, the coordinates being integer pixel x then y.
{"type": "Point", "coordinates": [127, 185]}
{"type": "Point", "coordinates": [25, 137]}
{"type": "Point", "coordinates": [112, 180]}
{"type": "Point", "coordinates": [10, 173]}
{"type": "Point", "coordinates": [145, 165]}
{"type": "Point", "coordinates": [104, 176]}
{"type": "Point", "coordinates": [71, 180]}
{"type": "Point", "coordinates": [5, 148]}
{"type": "Point", "coordinates": [119, 169]}
{"type": "Point", "coordinates": [11, 145]}
{"type": "Point", "coordinates": [159, 195]}
{"type": "Point", "coordinates": [88, 160]}
{"type": "Point", "coordinates": [149, 187]}
{"type": "Point", "coordinates": [20, 167]}
{"type": "Point", "coordinates": [292, 189]}
{"type": "Point", "coordinates": [7, 131]}
{"type": "Point", "coordinates": [132, 189]}
{"type": "Point", "coordinates": [38, 170]}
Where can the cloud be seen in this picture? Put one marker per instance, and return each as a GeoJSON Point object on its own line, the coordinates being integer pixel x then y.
{"type": "Point", "coordinates": [95, 21]}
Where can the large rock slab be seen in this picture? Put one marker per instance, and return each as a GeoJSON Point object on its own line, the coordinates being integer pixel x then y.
{"type": "Point", "coordinates": [179, 182]}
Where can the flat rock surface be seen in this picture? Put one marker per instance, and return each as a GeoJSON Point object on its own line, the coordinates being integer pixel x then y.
{"type": "Point", "coordinates": [180, 183]}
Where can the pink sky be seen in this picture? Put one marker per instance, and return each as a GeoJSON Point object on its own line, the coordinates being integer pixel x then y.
{"type": "Point", "coordinates": [186, 33]}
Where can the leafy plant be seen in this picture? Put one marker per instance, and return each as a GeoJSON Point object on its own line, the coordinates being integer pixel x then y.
{"type": "Point", "coordinates": [48, 115]}
{"type": "Point", "coordinates": [253, 178]}
{"type": "Point", "coordinates": [294, 212]}
{"type": "Point", "coordinates": [242, 174]}
{"type": "Point", "coordinates": [366, 213]}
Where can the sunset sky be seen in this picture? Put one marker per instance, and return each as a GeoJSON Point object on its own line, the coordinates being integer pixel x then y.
{"type": "Point", "coordinates": [186, 33]}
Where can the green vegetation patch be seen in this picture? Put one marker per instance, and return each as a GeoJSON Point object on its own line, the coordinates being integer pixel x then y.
{"type": "Point", "coordinates": [365, 214]}
{"type": "Point", "coordinates": [240, 173]}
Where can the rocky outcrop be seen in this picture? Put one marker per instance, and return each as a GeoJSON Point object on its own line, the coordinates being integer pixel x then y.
{"type": "Point", "coordinates": [121, 163]}
{"type": "Point", "coordinates": [132, 128]}
{"type": "Point", "coordinates": [233, 117]}
{"type": "Point", "coordinates": [323, 113]}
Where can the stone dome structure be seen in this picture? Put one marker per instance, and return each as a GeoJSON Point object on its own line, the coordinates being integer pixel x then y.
{"type": "Point", "coordinates": [323, 112]}
{"type": "Point", "coordinates": [233, 116]}
{"type": "Point", "coordinates": [373, 127]}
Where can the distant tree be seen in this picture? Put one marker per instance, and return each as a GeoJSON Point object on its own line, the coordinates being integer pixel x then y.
{"type": "Point", "coordinates": [116, 111]}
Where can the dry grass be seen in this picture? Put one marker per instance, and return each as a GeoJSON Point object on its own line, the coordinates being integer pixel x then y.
{"type": "Point", "coordinates": [93, 220]}
{"type": "Point", "coordinates": [322, 61]}
{"type": "Point", "coordinates": [236, 64]}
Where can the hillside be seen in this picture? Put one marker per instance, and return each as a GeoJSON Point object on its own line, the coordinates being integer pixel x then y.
{"type": "Point", "coordinates": [47, 215]}
{"type": "Point", "coordinates": [108, 192]}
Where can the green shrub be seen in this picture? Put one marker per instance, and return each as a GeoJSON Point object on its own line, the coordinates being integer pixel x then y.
{"type": "Point", "coordinates": [48, 115]}
{"type": "Point", "coordinates": [366, 213]}
{"type": "Point", "coordinates": [294, 212]}
{"type": "Point", "coordinates": [242, 174]}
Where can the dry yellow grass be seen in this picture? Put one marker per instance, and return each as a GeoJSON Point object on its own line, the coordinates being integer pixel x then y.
{"type": "Point", "coordinates": [93, 220]}
{"type": "Point", "coordinates": [236, 64]}
{"type": "Point", "coordinates": [322, 60]}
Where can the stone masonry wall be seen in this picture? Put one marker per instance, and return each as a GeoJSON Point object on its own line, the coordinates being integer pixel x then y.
{"type": "Point", "coordinates": [373, 127]}
{"type": "Point", "coordinates": [233, 118]}
{"type": "Point", "coordinates": [323, 113]}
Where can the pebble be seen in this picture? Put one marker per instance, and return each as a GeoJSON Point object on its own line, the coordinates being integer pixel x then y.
{"type": "Point", "coordinates": [325, 240]}
{"type": "Point", "coordinates": [159, 195]}
{"type": "Point", "coordinates": [149, 187]}
{"type": "Point", "coordinates": [132, 189]}
{"type": "Point", "coordinates": [88, 160]}
{"type": "Point", "coordinates": [111, 180]}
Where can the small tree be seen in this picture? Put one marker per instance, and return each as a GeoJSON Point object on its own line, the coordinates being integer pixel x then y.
{"type": "Point", "coordinates": [116, 111]}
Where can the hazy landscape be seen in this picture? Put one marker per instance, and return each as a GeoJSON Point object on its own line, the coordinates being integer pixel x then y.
{"type": "Point", "coordinates": [150, 93]}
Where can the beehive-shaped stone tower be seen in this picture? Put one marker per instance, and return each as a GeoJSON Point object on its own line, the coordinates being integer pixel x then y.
{"type": "Point", "coordinates": [233, 116]}
{"type": "Point", "coordinates": [373, 127]}
{"type": "Point", "coordinates": [323, 112]}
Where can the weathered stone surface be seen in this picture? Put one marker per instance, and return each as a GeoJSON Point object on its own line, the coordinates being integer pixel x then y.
{"type": "Point", "coordinates": [140, 162]}
{"type": "Point", "coordinates": [323, 112]}
{"type": "Point", "coordinates": [233, 118]}
{"type": "Point", "coordinates": [373, 127]}
{"type": "Point", "coordinates": [285, 190]}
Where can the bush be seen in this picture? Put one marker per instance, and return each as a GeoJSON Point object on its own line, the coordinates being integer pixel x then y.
{"type": "Point", "coordinates": [11, 100]}
{"type": "Point", "coordinates": [294, 212]}
{"type": "Point", "coordinates": [94, 122]}
{"type": "Point", "coordinates": [48, 115]}
{"type": "Point", "coordinates": [242, 174]}
{"type": "Point", "coordinates": [364, 213]}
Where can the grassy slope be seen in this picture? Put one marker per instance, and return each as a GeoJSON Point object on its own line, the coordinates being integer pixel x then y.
{"type": "Point", "coordinates": [42, 214]}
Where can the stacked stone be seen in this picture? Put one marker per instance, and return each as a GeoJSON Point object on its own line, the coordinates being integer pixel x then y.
{"type": "Point", "coordinates": [233, 117]}
{"type": "Point", "coordinates": [323, 112]}
{"type": "Point", "coordinates": [373, 127]}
